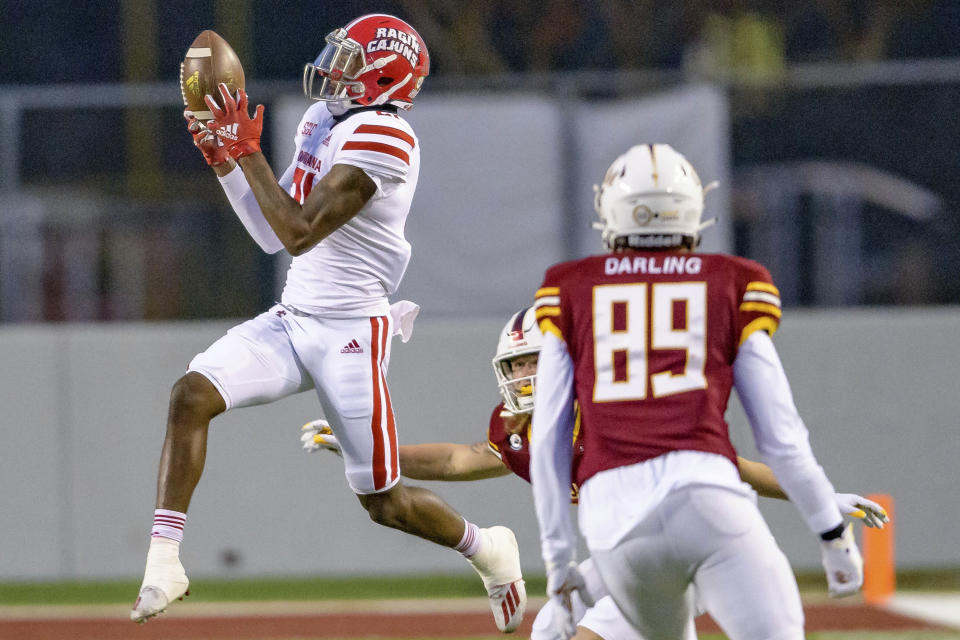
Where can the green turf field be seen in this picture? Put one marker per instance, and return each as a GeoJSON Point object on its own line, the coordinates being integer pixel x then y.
{"type": "Point", "coordinates": [374, 587]}
{"type": "Point", "coordinates": [263, 589]}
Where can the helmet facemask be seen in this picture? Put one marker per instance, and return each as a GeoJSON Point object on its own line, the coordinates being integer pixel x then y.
{"type": "Point", "coordinates": [337, 68]}
{"type": "Point", "coordinates": [519, 337]}
{"type": "Point", "coordinates": [517, 392]}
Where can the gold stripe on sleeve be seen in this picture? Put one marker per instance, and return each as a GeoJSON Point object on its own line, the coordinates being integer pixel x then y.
{"type": "Point", "coordinates": [547, 325]}
{"type": "Point", "coordinates": [757, 285]}
{"type": "Point", "coordinates": [761, 307]}
{"type": "Point", "coordinates": [765, 323]}
{"type": "Point", "coordinates": [548, 311]}
{"type": "Point", "coordinates": [576, 421]}
{"type": "Point", "coordinates": [547, 291]}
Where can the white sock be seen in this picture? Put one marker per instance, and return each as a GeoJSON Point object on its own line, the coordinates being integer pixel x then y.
{"type": "Point", "coordinates": [164, 548]}
{"type": "Point", "coordinates": [168, 524]}
{"type": "Point", "coordinates": [470, 543]}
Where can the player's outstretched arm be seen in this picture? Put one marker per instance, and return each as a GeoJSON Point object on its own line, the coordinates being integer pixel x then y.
{"type": "Point", "coordinates": [761, 478]}
{"type": "Point", "coordinates": [333, 201]}
{"type": "Point", "coordinates": [783, 441]}
{"type": "Point", "coordinates": [451, 462]}
{"type": "Point", "coordinates": [433, 461]}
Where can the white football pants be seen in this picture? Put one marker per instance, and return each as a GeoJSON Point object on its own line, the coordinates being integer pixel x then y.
{"type": "Point", "coordinates": [278, 353]}
{"type": "Point", "coordinates": [603, 618]}
{"type": "Point", "coordinates": [716, 539]}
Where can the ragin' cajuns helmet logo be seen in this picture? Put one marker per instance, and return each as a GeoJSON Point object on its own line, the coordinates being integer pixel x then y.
{"type": "Point", "coordinates": [405, 44]}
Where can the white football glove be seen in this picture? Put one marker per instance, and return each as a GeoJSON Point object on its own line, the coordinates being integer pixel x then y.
{"type": "Point", "coordinates": [842, 563]}
{"type": "Point", "coordinates": [317, 435]}
{"type": "Point", "coordinates": [871, 513]}
{"type": "Point", "coordinates": [561, 582]}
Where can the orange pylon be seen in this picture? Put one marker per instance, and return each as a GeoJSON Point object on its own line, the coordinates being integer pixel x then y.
{"type": "Point", "coordinates": [879, 561]}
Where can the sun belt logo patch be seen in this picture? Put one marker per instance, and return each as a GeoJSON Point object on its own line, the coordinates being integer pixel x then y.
{"type": "Point", "coordinates": [516, 442]}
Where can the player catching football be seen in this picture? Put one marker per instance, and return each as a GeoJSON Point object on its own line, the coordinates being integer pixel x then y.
{"type": "Point", "coordinates": [648, 339]}
{"type": "Point", "coordinates": [507, 450]}
{"type": "Point", "coordinates": [339, 209]}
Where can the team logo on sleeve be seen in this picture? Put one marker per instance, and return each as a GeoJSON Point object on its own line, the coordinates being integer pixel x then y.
{"type": "Point", "coordinates": [516, 442]}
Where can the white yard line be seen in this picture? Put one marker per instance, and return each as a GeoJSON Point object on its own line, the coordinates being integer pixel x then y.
{"type": "Point", "coordinates": [936, 607]}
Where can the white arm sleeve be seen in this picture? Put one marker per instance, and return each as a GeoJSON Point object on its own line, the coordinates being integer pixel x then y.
{"type": "Point", "coordinates": [782, 438]}
{"type": "Point", "coordinates": [551, 451]}
{"type": "Point", "coordinates": [245, 205]}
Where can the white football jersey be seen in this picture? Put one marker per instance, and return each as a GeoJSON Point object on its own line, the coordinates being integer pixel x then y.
{"type": "Point", "coordinates": [353, 270]}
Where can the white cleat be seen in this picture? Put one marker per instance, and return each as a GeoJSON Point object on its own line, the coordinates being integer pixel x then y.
{"type": "Point", "coordinates": [164, 580]}
{"type": "Point", "coordinates": [498, 563]}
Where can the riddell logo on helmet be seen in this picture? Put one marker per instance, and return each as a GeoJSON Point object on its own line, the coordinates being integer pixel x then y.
{"type": "Point", "coordinates": [229, 132]}
{"type": "Point", "coordinates": [394, 40]}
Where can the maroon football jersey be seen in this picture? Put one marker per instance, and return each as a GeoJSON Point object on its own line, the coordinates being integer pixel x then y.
{"type": "Point", "coordinates": [514, 449]}
{"type": "Point", "coordinates": [653, 337]}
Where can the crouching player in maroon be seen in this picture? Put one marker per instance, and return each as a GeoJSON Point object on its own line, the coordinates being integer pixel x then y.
{"type": "Point", "coordinates": [507, 450]}
{"type": "Point", "coordinates": [649, 339]}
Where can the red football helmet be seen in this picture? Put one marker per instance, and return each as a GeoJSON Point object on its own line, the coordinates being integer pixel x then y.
{"type": "Point", "coordinates": [376, 59]}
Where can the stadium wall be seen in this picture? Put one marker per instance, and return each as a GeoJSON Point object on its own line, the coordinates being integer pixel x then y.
{"type": "Point", "coordinates": [84, 407]}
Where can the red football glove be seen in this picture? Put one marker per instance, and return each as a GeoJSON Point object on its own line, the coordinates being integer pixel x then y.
{"type": "Point", "coordinates": [233, 125]}
{"type": "Point", "coordinates": [210, 146]}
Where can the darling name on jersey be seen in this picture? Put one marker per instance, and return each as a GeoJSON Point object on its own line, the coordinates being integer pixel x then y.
{"type": "Point", "coordinates": [395, 40]}
{"type": "Point", "coordinates": [652, 265]}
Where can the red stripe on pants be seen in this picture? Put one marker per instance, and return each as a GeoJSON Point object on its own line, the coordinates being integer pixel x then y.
{"type": "Point", "coordinates": [391, 422]}
{"type": "Point", "coordinates": [379, 470]}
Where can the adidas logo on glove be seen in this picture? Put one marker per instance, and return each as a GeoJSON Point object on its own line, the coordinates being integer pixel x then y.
{"type": "Point", "coordinates": [229, 132]}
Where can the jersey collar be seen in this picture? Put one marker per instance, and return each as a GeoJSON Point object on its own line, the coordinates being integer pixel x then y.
{"type": "Point", "coordinates": [389, 108]}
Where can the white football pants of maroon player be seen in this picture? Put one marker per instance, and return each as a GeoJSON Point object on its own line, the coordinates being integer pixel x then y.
{"type": "Point", "coordinates": [279, 353]}
{"type": "Point", "coordinates": [711, 535]}
{"type": "Point", "coordinates": [603, 618]}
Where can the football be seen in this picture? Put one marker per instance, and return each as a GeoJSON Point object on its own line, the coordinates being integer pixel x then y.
{"type": "Point", "coordinates": [210, 60]}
